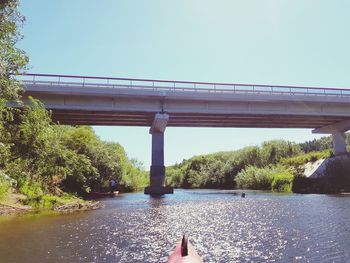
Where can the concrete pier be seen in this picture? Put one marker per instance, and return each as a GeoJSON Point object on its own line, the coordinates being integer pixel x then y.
{"type": "Point", "coordinates": [337, 130]}
{"type": "Point", "coordinates": [157, 174]}
{"type": "Point", "coordinates": [339, 144]}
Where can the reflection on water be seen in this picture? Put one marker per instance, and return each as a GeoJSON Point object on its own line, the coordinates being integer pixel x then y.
{"type": "Point", "coordinates": [223, 227]}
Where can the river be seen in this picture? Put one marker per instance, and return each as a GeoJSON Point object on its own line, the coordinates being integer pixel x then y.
{"type": "Point", "coordinates": [222, 226]}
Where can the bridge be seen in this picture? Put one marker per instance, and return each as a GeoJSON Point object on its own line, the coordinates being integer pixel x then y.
{"type": "Point", "coordinates": [86, 100]}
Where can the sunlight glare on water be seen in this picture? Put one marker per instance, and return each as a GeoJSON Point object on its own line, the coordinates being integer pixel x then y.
{"type": "Point", "coordinates": [222, 226]}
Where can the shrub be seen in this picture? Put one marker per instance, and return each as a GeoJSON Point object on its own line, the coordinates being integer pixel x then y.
{"type": "Point", "coordinates": [276, 178]}
{"type": "Point", "coordinates": [4, 186]}
{"type": "Point", "coordinates": [282, 182]}
{"type": "Point", "coordinates": [37, 198]}
{"type": "Point", "coordinates": [174, 177]}
{"type": "Point", "coordinates": [33, 191]}
{"type": "Point", "coordinates": [254, 178]}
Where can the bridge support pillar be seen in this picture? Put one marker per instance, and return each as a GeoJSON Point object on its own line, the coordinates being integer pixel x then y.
{"type": "Point", "coordinates": [338, 135]}
{"type": "Point", "coordinates": [157, 173]}
{"type": "Point", "coordinates": [339, 144]}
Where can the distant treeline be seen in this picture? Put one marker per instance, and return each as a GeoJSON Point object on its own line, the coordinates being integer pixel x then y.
{"type": "Point", "coordinates": [274, 165]}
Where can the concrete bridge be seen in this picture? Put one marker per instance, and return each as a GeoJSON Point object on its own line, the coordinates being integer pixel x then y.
{"type": "Point", "coordinates": [85, 100]}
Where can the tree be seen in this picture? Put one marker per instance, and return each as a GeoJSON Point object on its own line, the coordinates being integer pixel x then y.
{"type": "Point", "coordinates": [273, 151]}
{"type": "Point", "coordinates": [12, 59]}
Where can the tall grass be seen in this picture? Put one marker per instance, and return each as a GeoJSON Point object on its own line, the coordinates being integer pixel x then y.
{"type": "Point", "coordinates": [305, 158]}
{"type": "Point", "coordinates": [4, 186]}
{"type": "Point", "coordinates": [38, 199]}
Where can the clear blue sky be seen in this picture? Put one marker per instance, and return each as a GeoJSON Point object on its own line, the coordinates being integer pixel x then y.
{"type": "Point", "coordinates": [287, 42]}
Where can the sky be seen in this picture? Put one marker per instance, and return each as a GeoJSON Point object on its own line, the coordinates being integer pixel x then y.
{"type": "Point", "coordinates": [279, 42]}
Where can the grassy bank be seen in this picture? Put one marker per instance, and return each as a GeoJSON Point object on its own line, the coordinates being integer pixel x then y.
{"type": "Point", "coordinates": [32, 199]}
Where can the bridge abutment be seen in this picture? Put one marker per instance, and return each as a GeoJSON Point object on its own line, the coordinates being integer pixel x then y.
{"type": "Point", "coordinates": [157, 173]}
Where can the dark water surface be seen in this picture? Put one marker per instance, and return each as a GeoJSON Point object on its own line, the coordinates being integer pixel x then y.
{"type": "Point", "coordinates": [222, 226]}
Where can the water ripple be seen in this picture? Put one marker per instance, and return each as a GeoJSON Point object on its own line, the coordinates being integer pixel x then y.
{"type": "Point", "coordinates": [222, 227]}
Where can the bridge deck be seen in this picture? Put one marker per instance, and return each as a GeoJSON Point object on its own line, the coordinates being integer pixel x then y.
{"type": "Point", "coordinates": [86, 100]}
{"type": "Point", "coordinates": [185, 86]}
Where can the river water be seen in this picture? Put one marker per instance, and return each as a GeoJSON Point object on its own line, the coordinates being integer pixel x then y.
{"type": "Point", "coordinates": [222, 226]}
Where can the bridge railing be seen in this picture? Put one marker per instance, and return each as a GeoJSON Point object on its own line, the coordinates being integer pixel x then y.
{"type": "Point", "coordinates": [183, 86]}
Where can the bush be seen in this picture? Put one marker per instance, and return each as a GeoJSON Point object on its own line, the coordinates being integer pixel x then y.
{"type": "Point", "coordinates": [37, 198]}
{"type": "Point", "coordinates": [134, 180]}
{"type": "Point", "coordinates": [275, 178]}
{"type": "Point", "coordinates": [273, 151]}
{"type": "Point", "coordinates": [174, 177]}
{"type": "Point", "coordinates": [254, 178]}
{"type": "Point", "coordinates": [4, 186]}
{"type": "Point", "coordinates": [282, 182]}
{"type": "Point", "coordinates": [49, 202]}
{"type": "Point", "coordinates": [33, 191]}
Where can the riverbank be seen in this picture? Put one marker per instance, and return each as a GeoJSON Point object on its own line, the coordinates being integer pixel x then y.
{"type": "Point", "coordinates": [12, 205]}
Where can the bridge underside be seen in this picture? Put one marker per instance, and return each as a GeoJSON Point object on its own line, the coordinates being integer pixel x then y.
{"type": "Point", "coordinates": [112, 118]}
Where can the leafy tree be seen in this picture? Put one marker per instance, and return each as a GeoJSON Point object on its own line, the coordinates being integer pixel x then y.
{"type": "Point", "coordinates": [12, 59]}
{"type": "Point", "coordinates": [174, 176]}
{"type": "Point", "coordinates": [324, 143]}
{"type": "Point", "coordinates": [273, 151]}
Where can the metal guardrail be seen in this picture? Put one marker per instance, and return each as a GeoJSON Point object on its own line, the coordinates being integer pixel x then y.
{"type": "Point", "coordinates": [184, 86]}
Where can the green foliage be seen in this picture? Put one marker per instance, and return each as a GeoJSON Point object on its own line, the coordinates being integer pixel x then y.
{"type": "Point", "coordinates": [220, 169]}
{"type": "Point", "coordinates": [275, 178]}
{"type": "Point", "coordinates": [197, 172]}
{"type": "Point", "coordinates": [305, 158]}
{"type": "Point", "coordinates": [12, 59]}
{"type": "Point", "coordinates": [33, 191]}
{"type": "Point", "coordinates": [282, 181]}
{"type": "Point", "coordinates": [4, 185]}
{"type": "Point", "coordinates": [42, 155]}
{"type": "Point", "coordinates": [4, 154]}
{"type": "Point", "coordinates": [134, 180]}
{"type": "Point", "coordinates": [108, 159]}
{"type": "Point", "coordinates": [78, 175]}
{"type": "Point", "coordinates": [273, 151]}
{"type": "Point", "coordinates": [273, 166]}
{"type": "Point", "coordinates": [254, 178]}
{"type": "Point", "coordinates": [37, 198]}
{"type": "Point", "coordinates": [322, 144]}
{"type": "Point", "coordinates": [174, 176]}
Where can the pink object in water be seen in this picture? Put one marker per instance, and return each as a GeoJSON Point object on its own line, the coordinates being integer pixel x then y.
{"type": "Point", "coordinates": [184, 253]}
